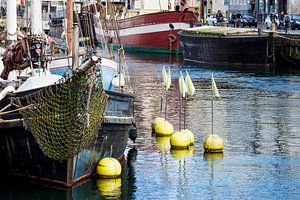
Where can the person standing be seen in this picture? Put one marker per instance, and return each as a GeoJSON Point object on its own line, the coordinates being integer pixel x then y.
{"type": "Point", "coordinates": [287, 23]}
{"type": "Point", "coordinates": [219, 17]}
{"type": "Point", "coordinates": [238, 19]}
{"type": "Point", "coordinates": [281, 21]}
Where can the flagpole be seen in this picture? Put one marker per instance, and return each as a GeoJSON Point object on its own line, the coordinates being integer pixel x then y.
{"type": "Point", "coordinates": [212, 114]}
{"type": "Point", "coordinates": [180, 110]}
{"type": "Point", "coordinates": [184, 116]}
{"type": "Point", "coordinates": [161, 104]}
{"type": "Point", "coordinates": [166, 105]}
{"type": "Point", "coordinates": [212, 106]}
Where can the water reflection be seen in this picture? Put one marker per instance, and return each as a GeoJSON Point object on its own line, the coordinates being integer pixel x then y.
{"type": "Point", "coordinates": [257, 116]}
{"type": "Point", "coordinates": [212, 158]}
{"type": "Point", "coordinates": [129, 177]}
{"type": "Point", "coordinates": [163, 143]}
{"type": "Point", "coordinates": [181, 154]}
{"type": "Point", "coordinates": [109, 188]}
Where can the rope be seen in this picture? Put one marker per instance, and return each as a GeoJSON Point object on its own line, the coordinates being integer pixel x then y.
{"type": "Point", "coordinates": [15, 110]}
{"type": "Point", "coordinates": [287, 38]}
{"type": "Point", "coordinates": [288, 59]}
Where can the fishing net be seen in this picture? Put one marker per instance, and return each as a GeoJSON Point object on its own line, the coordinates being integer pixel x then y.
{"type": "Point", "coordinates": [64, 119]}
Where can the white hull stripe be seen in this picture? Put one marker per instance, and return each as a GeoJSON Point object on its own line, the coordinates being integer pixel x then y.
{"type": "Point", "coordinates": [147, 29]}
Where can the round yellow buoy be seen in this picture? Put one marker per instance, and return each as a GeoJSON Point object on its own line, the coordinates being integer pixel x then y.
{"type": "Point", "coordinates": [213, 143]}
{"type": "Point", "coordinates": [109, 168]}
{"type": "Point", "coordinates": [156, 121]}
{"type": "Point", "coordinates": [163, 143]}
{"type": "Point", "coordinates": [164, 128]}
{"type": "Point", "coordinates": [109, 187]}
{"type": "Point", "coordinates": [191, 135]}
{"type": "Point", "coordinates": [181, 139]}
{"type": "Point", "coordinates": [180, 154]}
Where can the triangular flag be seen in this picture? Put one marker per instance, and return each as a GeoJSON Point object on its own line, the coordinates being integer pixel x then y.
{"type": "Point", "coordinates": [214, 88]}
{"type": "Point", "coordinates": [169, 80]}
{"type": "Point", "coordinates": [164, 75]}
{"type": "Point", "coordinates": [182, 86]}
{"type": "Point", "coordinates": [189, 84]}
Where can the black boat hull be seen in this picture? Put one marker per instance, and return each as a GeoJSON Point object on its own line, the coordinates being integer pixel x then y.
{"type": "Point", "coordinates": [21, 156]}
{"type": "Point", "coordinates": [231, 52]}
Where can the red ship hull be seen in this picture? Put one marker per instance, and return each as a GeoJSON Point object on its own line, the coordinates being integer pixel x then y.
{"type": "Point", "coordinates": [155, 32]}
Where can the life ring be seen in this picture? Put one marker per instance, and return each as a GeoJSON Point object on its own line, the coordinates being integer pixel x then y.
{"type": "Point", "coordinates": [172, 38]}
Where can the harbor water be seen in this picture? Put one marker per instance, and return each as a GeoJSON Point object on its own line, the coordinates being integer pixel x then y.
{"type": "Point", "coordinates": [258, 116]}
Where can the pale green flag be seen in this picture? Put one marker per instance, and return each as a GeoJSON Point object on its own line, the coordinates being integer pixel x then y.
{"type": "Point", "coordinates": [182, 85]}
{"type": "Point", "coordinates": [189, 84]}
{"type": "Point", "coordinates": [169, 79]}
{"type": "Point", "coordinates": [164, 75]}
{"type": "Point", "coordinates": [214, 88]}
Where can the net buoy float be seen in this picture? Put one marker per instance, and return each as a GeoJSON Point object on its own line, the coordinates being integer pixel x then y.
{"type": "Point", "coordinates": [213, 143]}
{"type": "Point", "coordinates": [109, 168]}
{"type": "Point", "coordinates": [182, 139]}
{"type": "Point", "coordinates": [156, 121]}
{"type": "Point", "coordinates": [190, 134]}
{"type": "Point", "coordinates": [164, 128]}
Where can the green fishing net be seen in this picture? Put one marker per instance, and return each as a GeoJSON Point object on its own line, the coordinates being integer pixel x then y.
{"type": "Point", "coordinates": [65, 118]}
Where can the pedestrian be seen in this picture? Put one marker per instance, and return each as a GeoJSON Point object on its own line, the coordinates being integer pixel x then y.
{"type": "Point", "coordinates": [287, 23]}
{"type": "Point", "coordinates": [233, 19]}
{"type": "Point", "coordinates": [238, 18]}
{"type": "Point", "coordinates": [281, 21]}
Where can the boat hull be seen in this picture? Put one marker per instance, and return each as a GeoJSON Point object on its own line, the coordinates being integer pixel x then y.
{"type": "Point", "coordinates": [234, 52]}
{"type": "Point", "coordinates": [290, 53]}
{"type": "Point", "coordinates": [154, 32]}
{"type": "Point", "coordinates": [21, 156]}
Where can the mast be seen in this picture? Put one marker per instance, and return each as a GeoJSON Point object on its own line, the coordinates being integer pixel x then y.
{"type": "Point", "coordinates": [11, 20]}
{"type": "Point", "coordinates": [69, 24]}
{"type": "Point", "coordinates": [36, 17]}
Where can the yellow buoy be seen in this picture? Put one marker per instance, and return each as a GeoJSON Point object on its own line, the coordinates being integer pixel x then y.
{"type": "Point", "coordinates": [180, 154]}
{"type": "Point", "coordinates": [109, 187]}
{"type": "Point", "coordinates": [180, 140]}
{"type": "Point", "coordinates": [156, 121]}
{"type": "Point", "coordinates": [191, 135]}
{"type": "Point", "coordinates": [163, 143]}
{"type": "Point", "coordinates": [213, 143]}
{"type": "Point", "coordinates": [164, 128]}
{"type": "Point", "coordinates": [109, 168]}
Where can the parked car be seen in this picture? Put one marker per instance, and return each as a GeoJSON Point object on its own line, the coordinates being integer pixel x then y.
{"type": "Point", "coordinates": [248, 20]}
{"type": "Point", "coordinates": [295, 21]}
{"type": "Point", "coordinates": [268, 21]}
{"type": "Point", "coordinates": [212, 20]}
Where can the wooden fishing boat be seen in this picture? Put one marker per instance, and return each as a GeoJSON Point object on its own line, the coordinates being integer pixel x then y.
{"type": "Point", "coordinates": [22, 155]}
{"type": "Point", "coordinates": [55, 129]}
{"type": "Point", "coordinates": [146, 30]}
{"type": "Point", "coordinates": [231, 48]}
